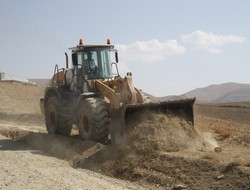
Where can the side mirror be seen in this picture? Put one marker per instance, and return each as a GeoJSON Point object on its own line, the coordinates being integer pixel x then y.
{"type": "Point", "coordinates": [116, 56]}
{"type": "Point", "coordinates": [74, 59]}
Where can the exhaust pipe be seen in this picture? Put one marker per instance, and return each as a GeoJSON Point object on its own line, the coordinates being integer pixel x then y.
{"type": "Point", "coordinates": [67, 61]}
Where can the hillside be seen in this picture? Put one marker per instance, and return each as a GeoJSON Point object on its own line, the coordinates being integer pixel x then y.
{"type": "Point", "coordinates": [222, 93]}
{"type": "Point", "coordinates": [20, 98]}
{"type": "Point", "coordinates": [216, 93]}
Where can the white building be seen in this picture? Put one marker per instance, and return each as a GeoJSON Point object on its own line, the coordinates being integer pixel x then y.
{"type": "Point", "coordinates": [8, 77]}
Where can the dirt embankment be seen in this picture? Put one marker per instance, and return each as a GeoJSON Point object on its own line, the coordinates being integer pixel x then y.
{"type": "Point", "coordinates": [162, 151]}
{"type": "Point", "coordinates": [19, 103]}
{"type": "Point", "coordinates": [19, 98]}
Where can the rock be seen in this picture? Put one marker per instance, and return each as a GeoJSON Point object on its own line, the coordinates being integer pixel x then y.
{"type": "Point", "coordinates": [179, 187]}
{"type": "Point", "coordinates": [217, 149]}
{"type": "Point", "coordinates": [177, 170]}
{"type": "Point", "coordinates": [220, 177]}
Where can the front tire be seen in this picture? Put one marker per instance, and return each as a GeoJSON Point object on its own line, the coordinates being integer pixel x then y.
{"type": "Point", "coordinates": [93, 119]}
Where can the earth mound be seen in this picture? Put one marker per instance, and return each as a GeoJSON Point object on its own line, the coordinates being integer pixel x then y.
{"type": "Point", "coordinates": [154, 131]}
{"type": "Point", "coordinates": [151, 137]}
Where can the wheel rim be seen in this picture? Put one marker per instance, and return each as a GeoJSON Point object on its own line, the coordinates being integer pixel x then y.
{"type": "Point", "coordinates": [85, 123]}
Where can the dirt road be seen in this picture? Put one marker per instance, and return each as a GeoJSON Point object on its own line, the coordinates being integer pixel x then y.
{"type": "Point", "coordinates": [23, 167]}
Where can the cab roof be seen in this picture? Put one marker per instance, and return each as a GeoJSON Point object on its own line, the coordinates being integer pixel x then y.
{"type": "Point", "coordinates": [82, 47]}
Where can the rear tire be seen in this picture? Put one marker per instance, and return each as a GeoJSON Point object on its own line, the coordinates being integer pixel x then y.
{"type": "Point", "coordinates": [55, 122]}
{"type": "Point", "coordinates": [93, 119]}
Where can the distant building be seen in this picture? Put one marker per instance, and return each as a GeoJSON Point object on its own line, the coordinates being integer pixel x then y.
{"type": "Point", "coordinates": [8, 77]}
{"type": "Point", "coordinates": [1, 75]}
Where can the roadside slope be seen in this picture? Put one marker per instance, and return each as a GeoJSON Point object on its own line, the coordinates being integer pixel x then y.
{"type": "Point", "coordinates": [20, 102]}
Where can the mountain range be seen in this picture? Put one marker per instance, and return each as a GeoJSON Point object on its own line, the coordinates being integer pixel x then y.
{"type": "Point", "coordinates": [221, 93]}
{"type": "Point", "coordinates": [216, 93]}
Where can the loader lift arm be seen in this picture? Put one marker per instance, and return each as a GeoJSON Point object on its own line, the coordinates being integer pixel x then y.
{"type": "Point", "coordinates": [117, 110]}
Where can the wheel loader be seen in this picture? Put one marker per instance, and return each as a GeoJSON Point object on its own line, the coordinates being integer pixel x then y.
{"type": "Point", "coordinates": [92, 95]}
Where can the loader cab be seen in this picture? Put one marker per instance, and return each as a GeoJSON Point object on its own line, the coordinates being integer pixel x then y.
{"type": "Point", "coordinates": [92, 62]}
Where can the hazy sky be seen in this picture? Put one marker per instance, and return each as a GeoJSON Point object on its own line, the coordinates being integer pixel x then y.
{"type": "Point", "coordinates": [171, 47]}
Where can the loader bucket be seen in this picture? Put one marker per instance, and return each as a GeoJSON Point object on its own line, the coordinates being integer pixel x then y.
{"type": "Point", "coordinates": [117, 126]}
{"type": "Point", "coordinates": [182, 108]}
